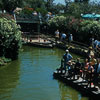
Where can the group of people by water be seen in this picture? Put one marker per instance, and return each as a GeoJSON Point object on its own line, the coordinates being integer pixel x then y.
{"type": "Point", "coordinates": [88, 69]}
{"type": "Point", "coordinates": [95, 44]}
{"type": "Point", "coordinates": [61, 36]}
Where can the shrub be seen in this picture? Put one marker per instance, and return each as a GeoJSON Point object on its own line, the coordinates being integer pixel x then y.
{"type": "Point", "coordinates": [57, 22]}
{"type": "Point", "coordinates": [10, 38]}
{"type": "Point", "coordinates": [28, 10]}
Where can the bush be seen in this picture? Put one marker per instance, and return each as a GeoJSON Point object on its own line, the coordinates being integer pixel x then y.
{"type": "Point", "coordinates": [4, 61]}
{"type": "Point", "coordinates": [28, 10]}
{"type": "Point", "coordinates": [10, 38]}
{"type": "Point", "coordinates": [57, 22]}
{"type": "Point", "coordinates": [81, 29]}
{"type": "Point", "coordinates": [88, 29]}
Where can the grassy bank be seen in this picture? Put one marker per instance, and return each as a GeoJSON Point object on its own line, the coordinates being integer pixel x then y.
{"type": "Point", "coordinates": [4, 61]}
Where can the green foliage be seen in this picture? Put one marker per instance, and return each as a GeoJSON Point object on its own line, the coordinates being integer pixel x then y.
{"type": "Point", "coordinates": [84, 29]}
{"type": "Point", "coordinates": [7, 16]}
{"type": "Point", "coordinates": [76, 9]}
{"type": "Point", "coordinates": [10, 38]}
{"type": "Point", "coordinates": [81, 29]}
{"type": "Point", "coordinates": [92, 28]}
{"type": "Point", "coordinates": [10, 5]}
{"type": "Point", "coordinates": [27, 10]}
{"type": "Point", "coordinates": [4, 60]}
{"type": "Point", "coordinates": [58, 22]}
{"type": "Point", "coordinates": [33, 3]}
{"type": "Point", "coordinates": [42, 11]}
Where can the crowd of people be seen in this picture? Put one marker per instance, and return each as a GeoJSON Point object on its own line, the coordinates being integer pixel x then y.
{"type": "Point", "coordinates": [89, 69]}
{"type": "Point", "coordinates": [95, 44]}
{"type": "Point", "coordinates": [61, 36]}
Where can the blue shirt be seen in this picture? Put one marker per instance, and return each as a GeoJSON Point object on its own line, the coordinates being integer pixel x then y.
{"type": "Point", "coordinates": [95, 43]}
{"type": "Point", "coordinates": [63, 36]}
{"type": "Point", "coordinates": [67, 57]}
{"type": "Point", "coordinates": [98, 44]}
{"type": "Point", "coordinates": [98, 69]}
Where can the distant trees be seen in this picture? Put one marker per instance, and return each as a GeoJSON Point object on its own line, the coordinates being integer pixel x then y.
{"type": "Point", "coordinates": [10, 5]}
{"type": "Point", "coordinates": [58, 22]}
{"type": "Point", "coordinates": [76, 9]}
{"type": "Point", "coordinates": [81, 29]}
{"type": "Point", "coordinates": [82, 1]}
{"type": "Point", "coordinates": [1, 5]}
{"type": "Point", "coordinates": [43, 6]}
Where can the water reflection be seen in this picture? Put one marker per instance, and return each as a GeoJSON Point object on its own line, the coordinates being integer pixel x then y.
{"type": "Point", "coordinates": [68, 93]}
{"type": "Point", "coordinates": [9, 76]}
{"type": "Point", "coordinates": [30, 77]}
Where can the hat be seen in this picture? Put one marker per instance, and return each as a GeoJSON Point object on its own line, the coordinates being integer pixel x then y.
{"type": "Point", "coordinates": [67, 50]}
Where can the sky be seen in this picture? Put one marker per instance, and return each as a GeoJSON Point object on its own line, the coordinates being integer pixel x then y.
{"type": "Point", "coordinates": [63, 1]}
{"type": "Point", "coordinates": [60, 1]}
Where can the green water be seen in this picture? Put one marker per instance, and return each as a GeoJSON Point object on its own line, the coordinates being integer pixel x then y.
{"type": "Point", "coordinates": [30, 77]}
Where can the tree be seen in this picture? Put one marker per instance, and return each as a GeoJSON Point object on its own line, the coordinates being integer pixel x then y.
{"type": "Point", "coordinates": [10, 38]}
{"type": "Point", "coordinates": [33, 3]}
{"type": "Point", "coordinates": [86, 1]}
{"type": "Point", "coordinates": [67, 2]}
{"type": "Point", "coordinates": [49, 5]}
{"type": "Point", "coordinates": [58, 8]}
{"type": "Point", "coordinates": [1, 5]}
{"type": "Point", "coordinates": [90, 28]}
{"type": "Point", "coordinates": [58, 22]}
{"type": "Point", "coordinates": [10, 5]}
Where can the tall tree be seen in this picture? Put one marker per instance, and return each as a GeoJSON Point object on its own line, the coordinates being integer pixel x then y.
{"type": "Point", "coordinates": [67, 2]}
{"type": "Point", "coordinates": [1, 5]}
{"type": "Point", "coordinates": [33, 3]}
{"type": "Point", "coordinates": [10, 5]}
{"type": "Point", "coordinates": [82, 1]}
{"type": "Point", "coordinates": [49, 4]}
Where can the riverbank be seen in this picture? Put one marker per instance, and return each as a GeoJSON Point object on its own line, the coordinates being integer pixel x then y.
{"type": "Point", "coordinates": [74, 48]}
{"type": "Point", "coordinates": [77, 48]}
{"type": "Point", "coordinates": [4, 61]}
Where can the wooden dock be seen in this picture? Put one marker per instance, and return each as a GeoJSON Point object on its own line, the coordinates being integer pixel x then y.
{"type": "Point", "coordinates": [79, 84]}
{"type": "Point", "coordinates": [37, 41]}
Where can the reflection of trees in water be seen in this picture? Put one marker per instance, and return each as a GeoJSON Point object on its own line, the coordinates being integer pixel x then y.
{"type": "Point", "coordinates": [67, 93]}
{"type": "Point", "coordinates": [46, 51]}
{"type": "Point", "coordinates": [9, 76]}
{"type": "Point", "coordinates": [41, 52]}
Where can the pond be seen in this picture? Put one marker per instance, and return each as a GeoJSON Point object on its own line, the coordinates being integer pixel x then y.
{"type": "Point", "coordinates": [31, 77]}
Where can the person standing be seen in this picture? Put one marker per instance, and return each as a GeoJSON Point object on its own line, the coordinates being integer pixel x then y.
{"type": "Point", "coordinates": [89, 75]}
{"type": "Point", "coordinates": [96, 71]}
{"type": "Point", "coordinates": [67, 57]}
{"type": "Point", "coordinates": [57, 34]}
{"type": "Point", "coordinates": [70, 38]}
{"type": "Point", "coordinates": [90, 53]}
{"type": "Point", "coordinates": [77, 68]}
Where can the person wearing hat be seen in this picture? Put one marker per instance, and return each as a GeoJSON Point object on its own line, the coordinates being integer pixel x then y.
{"type": "Point", "coordinates": [67, 57]}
